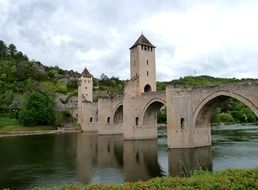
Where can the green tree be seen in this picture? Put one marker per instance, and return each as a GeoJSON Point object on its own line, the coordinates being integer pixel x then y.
{"type": "Point", "coordinates": [12, 49]}
{"type": "Point", "coordinates": [161, 85]}
{"type": "Point", "coordinates": [38, 110]}
{"type": "Point", "coordinates": [226, 118]}
{"type": "Point", "coordinates": [72, 84]}
{"type": "Point", "coordinates": [3, 49]}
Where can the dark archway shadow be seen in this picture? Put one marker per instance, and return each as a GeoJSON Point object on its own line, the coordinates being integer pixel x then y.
{"type": "Point", "coordinates": [147, 88]}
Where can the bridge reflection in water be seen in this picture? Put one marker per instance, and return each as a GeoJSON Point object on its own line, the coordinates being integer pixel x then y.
{"type": "Point", "coordinates": [183, 162]}
{"type": "Point", "coordinates": [105, 158]}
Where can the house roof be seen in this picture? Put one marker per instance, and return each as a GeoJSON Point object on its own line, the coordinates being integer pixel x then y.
{"type": "Point", "coordinates": [86, 73]}
{"type": "Point", "coordinates": [142, 40]}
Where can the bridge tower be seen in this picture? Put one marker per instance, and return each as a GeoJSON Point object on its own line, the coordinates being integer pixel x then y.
{"type": "Point", "coordinates": [142, 64]}
{"type": "Point", "coordinates": [85, 93]}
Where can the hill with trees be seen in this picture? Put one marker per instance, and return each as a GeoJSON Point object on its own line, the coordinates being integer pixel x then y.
{"type": "Point", "coordinates": [22, 79]}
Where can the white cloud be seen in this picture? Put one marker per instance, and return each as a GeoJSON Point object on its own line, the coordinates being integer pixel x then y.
{"type": "Point", "coordinates": [204, 31]}
{"type": "Point", "coordinates": [218, 38]}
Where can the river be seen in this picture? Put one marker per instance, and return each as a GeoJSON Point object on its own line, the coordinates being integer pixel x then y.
{"type": "Point", "coordinates": [56, 159]}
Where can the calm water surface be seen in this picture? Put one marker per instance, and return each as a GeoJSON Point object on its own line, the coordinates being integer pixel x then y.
{"type": "Point", "coordinates": [57, 159]}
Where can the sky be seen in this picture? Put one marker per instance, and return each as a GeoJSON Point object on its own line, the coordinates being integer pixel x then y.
{"type": "Point", "coordinates": [192, 37]}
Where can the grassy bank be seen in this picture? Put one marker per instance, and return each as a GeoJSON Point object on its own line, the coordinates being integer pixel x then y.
{"type": "Point", "coordinates": [12, 125]}
{"type": "Point", "coordinates": [228, 179]}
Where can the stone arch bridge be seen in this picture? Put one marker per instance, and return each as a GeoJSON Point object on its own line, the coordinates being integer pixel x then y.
{"type": "Point", "coordinates": [188, 112]}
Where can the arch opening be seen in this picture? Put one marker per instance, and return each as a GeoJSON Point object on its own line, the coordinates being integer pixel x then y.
{"type": "Point", "coordinates": [155, 113]}
{"type": "Point", "coordinates": [118, 115]}
{"type": "Point", "coordinates": [147, 88]}
{"type": "Point", "coordinates": [224, 109]}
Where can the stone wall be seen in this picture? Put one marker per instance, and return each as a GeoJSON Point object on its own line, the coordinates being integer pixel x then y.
{"type": "Point", "coordinates": [189, 111]}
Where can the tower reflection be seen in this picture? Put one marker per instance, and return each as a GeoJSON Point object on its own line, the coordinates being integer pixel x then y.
{"type": "Point", "coordinates": [141, 160]}
{"type": "Point", "coordinates": [110, 159]}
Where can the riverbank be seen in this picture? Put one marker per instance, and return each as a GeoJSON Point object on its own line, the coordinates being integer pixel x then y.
{"type": "Point", "coordinates": [11, 127]}
{"type": "Point", "coordinates": [228, 179]}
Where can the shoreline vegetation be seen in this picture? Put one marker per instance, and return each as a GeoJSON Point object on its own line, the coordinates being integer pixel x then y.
{"type": "Point", "coordinates": [12, 127]}
{"type": "Point", "coordinates": [204, 180]}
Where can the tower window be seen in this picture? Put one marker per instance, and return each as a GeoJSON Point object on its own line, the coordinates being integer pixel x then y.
{"type": "Point", "coordinates": [145, 48]}
{"type": "Point", "coordinates": [91, 119]}
{"type": "Point", "coordinates": [147, 73]}
{"type": "Point", "coordinates": [147, 62]}
{"type": "Point", "coordinates": [142, 47]}
{"type": "Point", "coordinates": [108, 120]}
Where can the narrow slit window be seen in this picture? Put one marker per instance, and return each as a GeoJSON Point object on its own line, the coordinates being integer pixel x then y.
{"type": "Point", "coordinates": [182, 123]}
{"type": "Point", "coordinates": [137, 121]}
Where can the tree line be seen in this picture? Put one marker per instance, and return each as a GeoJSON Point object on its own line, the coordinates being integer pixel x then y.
{"type": "Point", "coordinates": [23, 81]}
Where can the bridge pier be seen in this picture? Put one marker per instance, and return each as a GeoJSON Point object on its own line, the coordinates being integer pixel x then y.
{"type": "Point", "coordinates": [141, 132]}
{"type": "Point", "coordinates": [181, 129]}
{"type": "Point", "coordinates": [189, 139]}
{"type": "Point", "coordinates": [110, 129]}
{"type": "Point", "coordinates": [88, 121]}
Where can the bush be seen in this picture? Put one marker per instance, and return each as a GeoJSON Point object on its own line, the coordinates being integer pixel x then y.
{"type": "Point", "coordinates": [64, 116]}
{"type": "Point", "coordinates": [61, 87]}
{"type": "Point", "coordinates": [230, 179]}
{"type": "Point", "coordinates": [226, 118]}
{"type": "Point", "coordinates": [72, 84]}
{"type": "Point", "coordinates": [38, 110]}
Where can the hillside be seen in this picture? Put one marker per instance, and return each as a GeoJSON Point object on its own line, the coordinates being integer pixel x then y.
{"type": "Point", "coordinates": [20, 76]}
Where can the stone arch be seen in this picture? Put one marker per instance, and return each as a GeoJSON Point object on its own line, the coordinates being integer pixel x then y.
{"type": "Point", "coordinates": [147, 88]}
{"type": "Point", "coordinates": [204, 110]}
{"type": "Point", "coordinates": [118, 114]}
{"type": "Point", "coordinates": [150, 110]}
